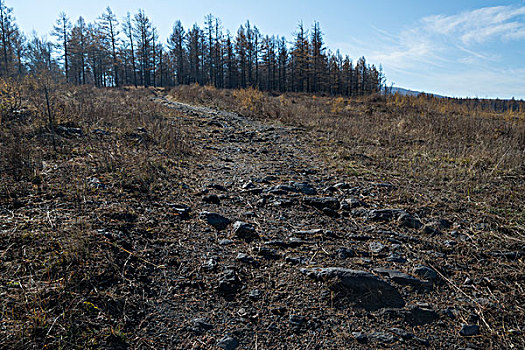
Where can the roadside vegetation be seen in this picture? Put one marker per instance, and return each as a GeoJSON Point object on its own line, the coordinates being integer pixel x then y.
{"type": "Point", "coordinates": [68, 162]}
{"type": "Point", "coordinates": [462, 154]}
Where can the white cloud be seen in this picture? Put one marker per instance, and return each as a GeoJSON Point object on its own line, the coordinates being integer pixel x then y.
{"type": "Point", "coordinates": [456, 53]}
{"type": "Point", "coordinates": [481, 25]}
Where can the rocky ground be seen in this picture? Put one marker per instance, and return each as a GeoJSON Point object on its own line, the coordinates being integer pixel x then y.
{"type": "Point", "coordinates": [262, 243]}
{"type": "Point", "coordinates": [276, 249]}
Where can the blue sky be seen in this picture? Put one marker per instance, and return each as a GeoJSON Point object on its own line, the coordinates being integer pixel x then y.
{"type": "Point", "coordinates": [449, 47]}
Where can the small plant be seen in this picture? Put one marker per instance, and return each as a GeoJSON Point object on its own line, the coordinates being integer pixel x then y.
{"type": "Point", "coordinates": [249, 99]}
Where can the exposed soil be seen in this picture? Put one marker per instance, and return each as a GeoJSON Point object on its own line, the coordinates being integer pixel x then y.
{"type": "Point", "coordinates": [176, 276]}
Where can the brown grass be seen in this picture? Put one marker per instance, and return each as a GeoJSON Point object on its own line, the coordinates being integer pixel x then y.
{"type": "Point", "coordinates": [440, 152]}
{"type": "Point", "coordinates": [112, 146]}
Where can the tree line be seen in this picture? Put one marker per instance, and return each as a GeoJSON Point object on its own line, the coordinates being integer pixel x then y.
{"type": "Point", "coordinates": [129, 51]}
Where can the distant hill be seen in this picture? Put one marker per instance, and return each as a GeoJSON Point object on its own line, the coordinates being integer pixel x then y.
{"type": "Point", "coordinates": [408, 92]}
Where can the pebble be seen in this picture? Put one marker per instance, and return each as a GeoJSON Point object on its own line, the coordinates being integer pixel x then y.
{"type": "Point", "coordinates": [228, 343]}
{"type": "Point", "coordinates": [425, 272]}
{"type": "Point", "coordinates": [244, 231]}
{"type": "Point", "coordinates": [218, 221]}
{"type": "Point", "coordinates": [469, 330]}
{"type": "Point", "coordinates": [376, 247]}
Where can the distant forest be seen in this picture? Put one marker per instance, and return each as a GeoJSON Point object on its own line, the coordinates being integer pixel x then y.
{"type": "Point", "coordinates": [109, 52]}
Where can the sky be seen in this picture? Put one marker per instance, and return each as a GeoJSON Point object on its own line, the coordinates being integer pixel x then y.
{"type": "Point", "coordinates": [467, 48]}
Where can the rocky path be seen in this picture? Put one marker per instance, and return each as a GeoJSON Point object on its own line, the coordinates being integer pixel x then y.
{"type": "Point", "coordinates": [270, 247]}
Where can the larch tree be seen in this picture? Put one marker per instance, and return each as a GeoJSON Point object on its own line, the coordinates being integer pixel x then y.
{"type": "Point", "coordinates": [128, 31]}
{"type": "Point", "coordinates": [176, 46]}
{"type": "Point", "coordinates": [143, 32]}
{"type": "Point", "coordinates": [317, 57]}
{"type": "Point", "coordinates": [61, 31]}
{"type": "Point", "coordinates": [109, 28]}
{"type": "Point", "coordinates": [78, 46]}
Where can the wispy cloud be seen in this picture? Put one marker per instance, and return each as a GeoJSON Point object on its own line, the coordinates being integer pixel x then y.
{"type": "Point", "coordinates": [481, 25]}
{"type": "Point", "coordinates": [448, 50]}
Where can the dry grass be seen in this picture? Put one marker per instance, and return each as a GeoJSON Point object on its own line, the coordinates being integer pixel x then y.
{"type": "Point", "coordinates": [439, 151]}
{"type": "Point", "coordinates": [112, 147]}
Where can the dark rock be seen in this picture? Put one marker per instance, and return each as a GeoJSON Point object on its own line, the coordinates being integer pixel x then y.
{"type": "Point", "coordinates": [229, 282]}
{"type": "Point", "coordinates": [284, 203]}
{"type": "Point", "coordinates": [246, 259]}
{"type": "Point", "coordinates": [345, 253]}
{"type": "Point", "coordinates": [181, 209]}
{"type": "Point", "coordinates": [419, 316]}
{"type": "Point", "coordinates": [216, 220]}
{"type": "Point", "coordinates": [384, 214]}
{"type": "Point", "coordinates": [255, 191]}
{"type": "Point", "coordinates": [384, 185]}
{"type": "Point", "coordinates": [244, 231]}
{"type": "Point", "coordinates": [200, 325]}
{"type": "Point", "coordinates": [359, 212]}
{"type": "Point", "coordinates": [294, 242]}
{"type": "Point", "coordinates": [215, 123]}
{"type": "Point", "coordinates": [283, 189]}
{"type": "Point", "coordinates": [402, 333]}
{"type": "Point", "coordinates": [212, 199]}
{"type": "Point", "coordinates": [255, 294]}
{"type": "Point", "coordinates": [305, 188]}
{"type": "Point", "coordinates": [225, 242]}
{"type": "Point", "coordinates": [296, 260]}
{"type": "Point", "coordinates": [297, 242]}
{"type": "Point", "coordinates": [422, 341]}
{"type": "Point", "coordinates": [281, 310]}
{"type": "Point", "coordinates": [218, 187]}
{"type": "Point", "coordinates": [425, 272]}
{"type": "Point", "coordinates": [354, 203]}
{"type": "Point", "coordinates": [376, 247]}
{"type": "Point", "coordinates": [331, 213]}
{"type": "Point", "coordinates": [64, 130]}
{"type": "Point", "coordinates": [430, 229]}
{"type": "Point", "coordinates": [396, 258]}
{"type": "Point", "coordinates": [360, 337]}
{"type": "Point", "coordinates": [371, 292]}
{"type": "Point", "coordinates": [101, 132]}
{"type": "Point", "coordinates": [322, 202]}
{"type": "Point", "coordinates": [296, 320]}
{"type": "Point", "coordinates": [443, 224]}
{"type": "Point", "coordinates": [228, 343]}
{"type": "Point", "coordinates": [401, 277]}
{"type": "Point", "coordinates": [268, 253]}
{"type": "Point", "coordinates": [410, 221]}
{"type": "Point", "coordinates": [413, 315]}
{"type": "Point", "coordinates": [509, 255]}
{"type": "Point", "coordinates": [268, 179]}
{"type": "Point", "coordinates": [330, 189]}
{"type": "Point", "coordinates": [210, 264]}
{"type": "Point", "coordinates": [469, 330]}
{"type": "Point", "coordinates": [382, 337]}
{"type": "Point", "coordinates": [248, 186]}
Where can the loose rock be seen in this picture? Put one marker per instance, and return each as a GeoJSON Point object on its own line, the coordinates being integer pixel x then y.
{"type": "Point", "coordinates": [373, 291]}
{"type": "Point", "coordinates": [218, 221]}
{"type": "Point", "coordinates": [228, 343]}
{"type": "Point", "coordinates": [322, 202]}
{"type": "Point", "coordinates": [244, 231]}
{"type": "Point", "coordinates": [469, 330]}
